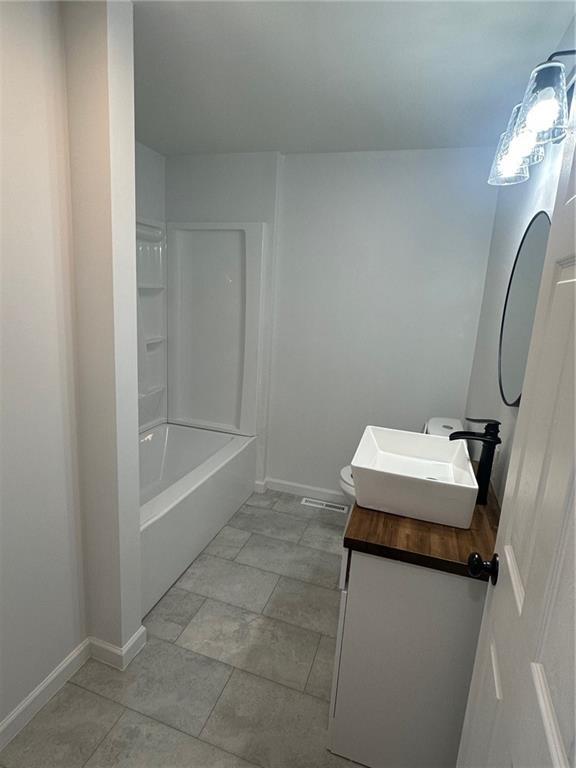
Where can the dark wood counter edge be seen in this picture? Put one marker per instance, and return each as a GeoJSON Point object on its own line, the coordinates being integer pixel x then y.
{"type": "Point", "coordinates": [488, 516]}
{"type": "Point", "coordinates": [405, 556]}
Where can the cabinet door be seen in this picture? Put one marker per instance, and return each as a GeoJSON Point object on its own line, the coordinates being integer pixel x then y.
{"type": "Point", "coordinates": [407, 649]}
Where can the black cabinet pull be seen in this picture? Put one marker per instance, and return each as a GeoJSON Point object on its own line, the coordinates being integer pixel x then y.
{"type": "Point", "coordinates": [478, 567]}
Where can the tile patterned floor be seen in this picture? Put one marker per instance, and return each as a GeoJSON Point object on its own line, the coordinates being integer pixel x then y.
{"type": "Point", "coordinates": [238, 665]}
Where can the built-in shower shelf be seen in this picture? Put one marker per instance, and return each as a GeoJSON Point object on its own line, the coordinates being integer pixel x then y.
{"type": "Point", "coordinates": [150, 287]}
{"type": "Point", "coordinates": [149, 404]}
{"type": "Point", "coordinates": [153, 340]}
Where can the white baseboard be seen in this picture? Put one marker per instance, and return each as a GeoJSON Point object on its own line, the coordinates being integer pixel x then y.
{"type": "Point", "coordinates": [114, 655]}
{"type": "Point", "coordinates": [91, 647]}
{"type": "Point", "coordinates": [260, 486]}
{"type": "Point", "coordinates": [41, 695]}
{"type": "Point", "coordinates": [325, 494]}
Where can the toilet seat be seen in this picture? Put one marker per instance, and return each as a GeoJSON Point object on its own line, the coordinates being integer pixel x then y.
{"type": "Point", "coordinates": [346, 480]}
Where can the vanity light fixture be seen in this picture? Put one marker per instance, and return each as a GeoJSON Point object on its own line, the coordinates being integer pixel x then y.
{"type": "Point", "coordinates": [505, 168]}
{"type": "Point", "coordinates": [515, 152]}
{"type": "Point", "coordinates": [542, 117]}
{"type": "Point", "coordinates": [522, 144]}
{"type": "Point", "coordinates": [544, 110]}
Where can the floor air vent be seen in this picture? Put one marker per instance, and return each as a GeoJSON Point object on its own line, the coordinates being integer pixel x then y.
{"type": "Point", "coordinates": [324, 505]}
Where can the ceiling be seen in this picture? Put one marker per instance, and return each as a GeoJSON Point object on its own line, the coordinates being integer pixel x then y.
{"type": "Point", "coordinates": [334, 76]}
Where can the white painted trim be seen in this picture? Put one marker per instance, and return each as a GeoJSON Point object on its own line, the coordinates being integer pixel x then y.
{"type": "Point", "coordinates": [44, 691]}
{"type": "Point", "coordinates": [259, 486]}
{"type": "Point", "coordinates": [325, 494]}
{"type": "Point", "coordinates": [114, 655]}
{"type": "Point", "coordinates": [269, 319]}
{"type": "Point", "coordinates": [91, 647]}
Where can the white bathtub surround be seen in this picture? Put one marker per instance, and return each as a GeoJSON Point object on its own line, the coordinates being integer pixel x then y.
{"type": "Point", "coordinates": [193, 481]}
{"type": "Point", "coordinates": [169, 452]}
{"type": "Point", "coordinates": [151, 273]}
{"type": "Point", "coordinates": [214, 301]}
{"type": "Point", "coordinates": [152, 323]}
{"type": "Point", "coordinates": [199, 468]}
{"type": "Point", "coordinates": [234, 188]}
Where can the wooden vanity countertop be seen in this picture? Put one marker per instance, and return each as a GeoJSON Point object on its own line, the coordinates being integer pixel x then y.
{"type": "Point", "coordinates": [432, 545]}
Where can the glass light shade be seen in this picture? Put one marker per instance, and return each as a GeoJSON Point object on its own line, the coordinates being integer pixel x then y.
{"type": "Point", "coordinates": [544, 110]}
{"type": "Point", "coordinates": [507, 168]}
{"type": "Point", "coordinates": [522, 144]}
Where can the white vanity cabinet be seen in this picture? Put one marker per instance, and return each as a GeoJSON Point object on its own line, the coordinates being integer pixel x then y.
{"type": "Point", "coordinates": [405, 651]}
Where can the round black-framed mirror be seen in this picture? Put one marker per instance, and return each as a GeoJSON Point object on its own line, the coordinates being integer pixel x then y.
{"type": "Point", "coordinates": [520, 307]}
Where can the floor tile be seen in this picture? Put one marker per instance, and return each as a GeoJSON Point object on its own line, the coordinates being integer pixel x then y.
{"type": "Point", "coordinates": [264, 646]}
{"type": "Point", "coordinates": [290, 560]}
{"type": "Point", "coordinates": [169, 617]}
{"type": "Point", "coordinates": [227, 543]}
{"type": "Point", "coordinates": [291, 505]}
{"type": "Point", "coordinates": [138, 742]}
{"type": "Point", "coordinates": [306, 605]}
{"type": "Point", "coordinates": [271, 725]}
{"type": "Point", "coordinates": [167, 682]}
{"type": "Point", "coordinates": [268, 523]}
{"type": "Point", "coordinates": [320, 680]}
{"type": "Point", "coordinates": [324, 536]}
{"type": "Point", "coordinates": [229, 582]}
{"type": "Point", "coordinates": [64, 733]}
{"type": "Point", "coordinates": [266, 499]}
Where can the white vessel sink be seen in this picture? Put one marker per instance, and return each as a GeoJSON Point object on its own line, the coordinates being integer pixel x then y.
{"type": "Point", "coordinates": [426, 477]}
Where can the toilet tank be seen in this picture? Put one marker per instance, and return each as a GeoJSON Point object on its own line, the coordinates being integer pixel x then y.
{"type": "Point", "coordinates": [442, 425]}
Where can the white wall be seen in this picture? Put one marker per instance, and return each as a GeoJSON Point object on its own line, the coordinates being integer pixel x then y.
{"type": "Point", "coordinates": [515, 207]}
{"type": "Point", "coordinates": [70, 534]}
{"type": "Point", "coordinates": [233, 188]}
{"type": "Point", "coordinates": [41, 579]}
{"type": "Point", "coordinates": [381, 268]}
{"type": "Point", "coordinates": [99, 50]}
{"type": "Point", "coordinates": [150, 184]}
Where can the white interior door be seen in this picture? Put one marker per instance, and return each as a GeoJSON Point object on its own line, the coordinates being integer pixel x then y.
{"type": "Point", "coordinates": [520, 709]}
{"type": "Point", "coordinates": [214, 310]}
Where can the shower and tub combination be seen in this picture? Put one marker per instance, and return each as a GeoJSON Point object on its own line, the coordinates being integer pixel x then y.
{"type": "Point", "coordinates": [199, 319]}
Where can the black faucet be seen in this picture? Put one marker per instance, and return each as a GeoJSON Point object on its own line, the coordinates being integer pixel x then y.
{"type": "Point", "coordinates": [490, 438]}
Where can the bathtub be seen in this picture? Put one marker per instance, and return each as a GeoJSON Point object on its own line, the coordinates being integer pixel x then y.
{"type": "Point", "coordinates": [191, 483]}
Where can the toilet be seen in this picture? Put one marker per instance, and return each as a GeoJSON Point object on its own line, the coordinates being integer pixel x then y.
{"type": "Point", "coordinates": [438, 425]}
{"type": "Point", "coordinates": [347, 484]}
{"type": "Point", "coordinates": [442, 425]}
